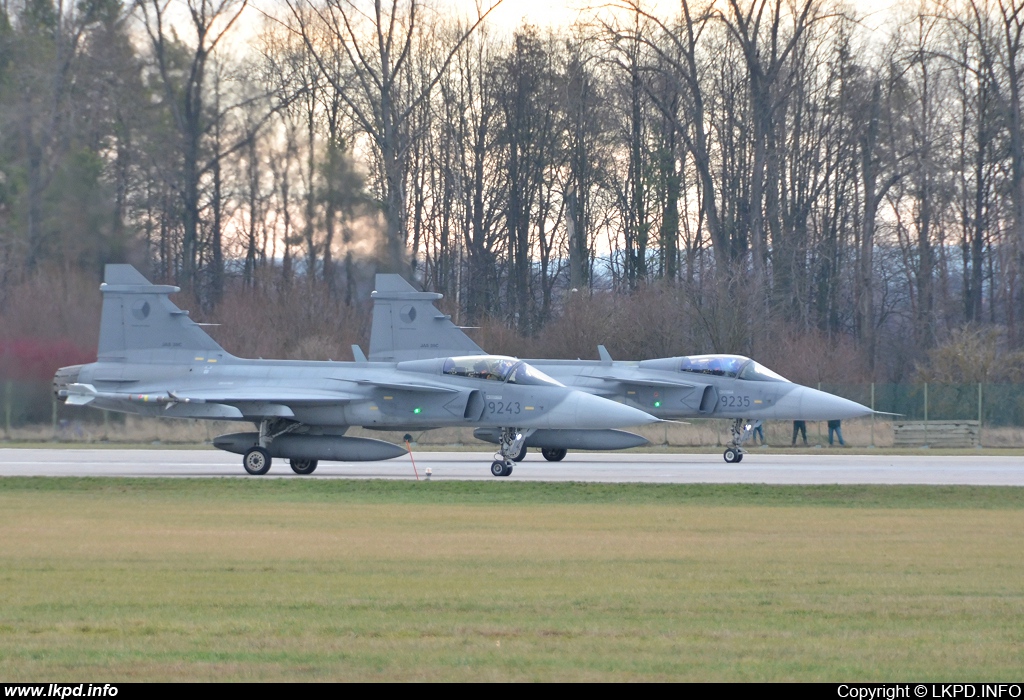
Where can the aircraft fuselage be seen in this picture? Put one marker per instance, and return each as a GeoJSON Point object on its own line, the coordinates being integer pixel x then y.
{"type": "Point", "coordinates": [409, 395]}
{"type": "Point", "coordinates": [661, 389]}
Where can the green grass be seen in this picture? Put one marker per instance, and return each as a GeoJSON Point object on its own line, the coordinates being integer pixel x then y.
{"type": "Point", "coordinates": [381, 491]}
{"type": "Point", "coordinates": [246, 579]}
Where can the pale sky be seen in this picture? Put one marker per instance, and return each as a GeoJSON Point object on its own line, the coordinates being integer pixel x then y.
{"type": "Point", "coordinates": [512, 13]}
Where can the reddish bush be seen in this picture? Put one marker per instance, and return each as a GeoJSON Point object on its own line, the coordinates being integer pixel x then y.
{"type": "Point", "coordinates": [36, 359]}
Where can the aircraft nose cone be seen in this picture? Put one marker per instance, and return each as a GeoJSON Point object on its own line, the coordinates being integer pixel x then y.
{"type": "Point", "coordinates": [805, 403]}
{"type": "Point", "coordinates": [588, 412]}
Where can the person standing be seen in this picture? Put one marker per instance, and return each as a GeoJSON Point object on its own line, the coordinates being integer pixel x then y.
{"type": "Point", "coordinates": [800, 426]}
{"type": "Point", "coordinates": [834, 427]}
{"type": "Point", "coordinates": [758, 432]}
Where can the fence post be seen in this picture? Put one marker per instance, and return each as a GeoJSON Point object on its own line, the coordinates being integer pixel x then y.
{"type": "Point", "coordinates": [979, 414]}
{"type": "Point", "coordinates": [872, 414]}
{"type": "Point", "coordinates": [7, 410]}
{"type": "Point", "coordinates": [926, 413]}
{"type": "Point", "coordinates": [820, 440]}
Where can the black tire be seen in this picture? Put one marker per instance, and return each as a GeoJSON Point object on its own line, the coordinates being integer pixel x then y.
{"type": "Point", "coordinates": [553, 455]}
{"type": "Point", "coordinates": [732, 455]}
{"type": "Point", "coordinates": [520, 455]}
{"type": "Point", "coordinates": [740, 457]}
{"type": "Point", "coordinates": [256, 461]}
{"type": "Point", "coordinates": [501, 468]}
{"type": "Point", "coordinates": [303, 466]}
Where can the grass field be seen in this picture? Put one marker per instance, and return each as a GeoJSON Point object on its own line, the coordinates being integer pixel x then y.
{"type": "Point", "coordinates": [115, 580]}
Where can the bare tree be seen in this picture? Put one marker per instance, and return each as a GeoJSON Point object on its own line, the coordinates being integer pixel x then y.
{"type": "Point", "coordinates": [184, 80]}
{"type": "Point", "coordinates": [377, 47]}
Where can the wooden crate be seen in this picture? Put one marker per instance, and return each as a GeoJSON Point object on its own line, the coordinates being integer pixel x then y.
{"type": "Point", "coordinates": [936, 433]}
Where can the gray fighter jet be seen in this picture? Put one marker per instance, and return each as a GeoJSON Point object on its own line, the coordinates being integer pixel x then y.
{"type": "Point", "coordinates": [155, 361]}
{"type": "Point", "coordinates": [407, 326]}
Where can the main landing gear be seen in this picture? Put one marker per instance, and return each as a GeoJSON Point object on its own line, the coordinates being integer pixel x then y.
{"type": "Point", "coordinates": [257, 459]}
{"type": "Point", "coordinates": [741, 432]}
{"type": "Point", "coordinates": [303, 466]}
{"type": "Point", "coordinates": [553, 455]}
{"type": "Point", "coordinates": [511, 445]}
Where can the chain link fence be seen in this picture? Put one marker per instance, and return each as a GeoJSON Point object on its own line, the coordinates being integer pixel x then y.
{"type": "Point", "coordinates": [993, 405]}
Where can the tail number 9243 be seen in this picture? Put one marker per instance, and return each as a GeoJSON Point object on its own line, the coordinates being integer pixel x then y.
{"type": "Point", "coordinates": [504, 408]}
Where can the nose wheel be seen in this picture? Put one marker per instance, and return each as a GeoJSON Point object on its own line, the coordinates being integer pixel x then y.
{"type": "Point", "coordinates": [499, 468]}
{"type": "Point", "coordinates": [733, 455]}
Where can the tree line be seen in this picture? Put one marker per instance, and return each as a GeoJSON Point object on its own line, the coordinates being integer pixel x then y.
{"type": "Point", "coordinates": [764, 170]}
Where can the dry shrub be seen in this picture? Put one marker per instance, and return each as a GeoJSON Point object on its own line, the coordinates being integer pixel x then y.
{"type": "Point", "coordinates": [54, 304]}
{"type": "Point", "coordinates": [48, 321]}
{"type": "Point", "coordinates": [657, 320]}
{"type": "Point", "coordinates": [586, 322]}
{"type": "Point", "coordinates": [297, 321]}
{"type": "Point", "coordinates": [973, 355]}
{"type": "Point", "coordinates": [496, 337]}
{"type": "Point", "coordinates": [809, 357]}
{"type": "Point", "coordinates": [651, 322]}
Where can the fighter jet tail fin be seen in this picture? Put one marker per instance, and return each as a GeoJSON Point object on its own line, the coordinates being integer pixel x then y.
{"type": "Point", "coordinates": [407, 325]}
{"type": "Point", "coordinates": [139, 318]}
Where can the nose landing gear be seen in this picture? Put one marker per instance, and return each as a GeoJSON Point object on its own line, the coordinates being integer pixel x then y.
{"type": "Point", "coordinates": [510, 446]}
{"type": "Point", "coordinates": [741, 432]}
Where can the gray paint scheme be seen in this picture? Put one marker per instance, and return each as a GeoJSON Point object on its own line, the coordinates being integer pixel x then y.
{"type": "Point", "coordinates": [659, 387]}
{"type": "Point", "coordinates": [407, 325]}
{"type": "Point", "coordinates": [154, 360]}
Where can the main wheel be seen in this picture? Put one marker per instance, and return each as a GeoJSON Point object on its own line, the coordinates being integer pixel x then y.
{"type": "Point", "coordinates": [732, 455]}
{"type": "Point", "coordinates": [553, 455]}
{"type": "Point", "coordinates": [303, 466]}
{"type": "Point", "coordinates": [256, 461]}
{"type": "Point", "coordinates": [518, 456]}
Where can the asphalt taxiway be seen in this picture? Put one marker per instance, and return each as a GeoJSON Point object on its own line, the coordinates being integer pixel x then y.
{"type": "Point", "coordinates": [814, 467]}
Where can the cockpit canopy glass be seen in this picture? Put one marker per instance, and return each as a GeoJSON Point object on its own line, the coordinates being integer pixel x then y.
{"type": "Point", "coordinates": [759, 373]}
{"type": "Point", "coordinates": [715, 365]}
{"type": "Point", "coordinates": [735, 366]}
{"type": "Point", "coordinates": [498, 369]}
{"type": "Point", "coordinates": [531, 376]}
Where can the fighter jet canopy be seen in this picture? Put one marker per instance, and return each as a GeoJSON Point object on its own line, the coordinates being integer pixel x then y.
{"type": "Point", "coordinates": [735, 366]}
{"type": "Point", "coordinates": [497, 368]}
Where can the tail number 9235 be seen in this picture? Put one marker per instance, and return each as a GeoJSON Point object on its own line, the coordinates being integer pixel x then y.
{"type": "Point", "coordinates": [728, 401]}
{"type": "Point", "coordinates": [504, 408]}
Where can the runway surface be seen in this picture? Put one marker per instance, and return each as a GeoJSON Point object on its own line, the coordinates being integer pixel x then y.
{"type": "Point", "coordinates": [815, 467]}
